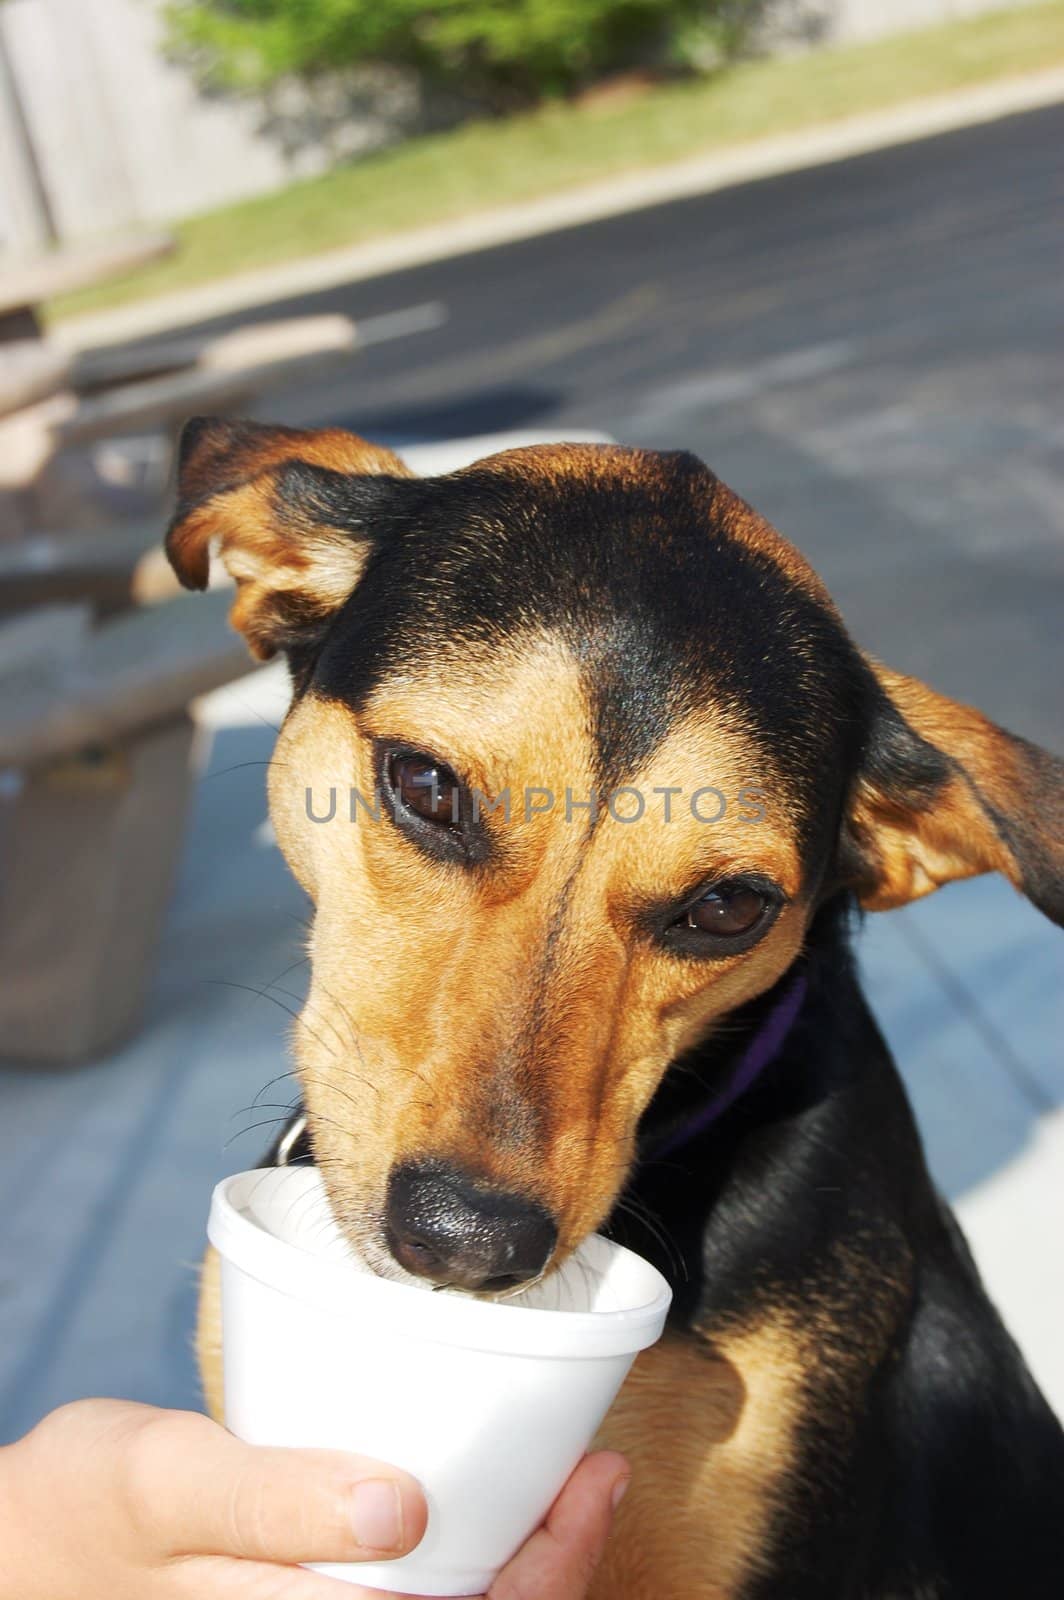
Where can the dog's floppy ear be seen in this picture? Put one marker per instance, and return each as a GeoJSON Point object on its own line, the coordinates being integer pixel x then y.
{"type": "Point", "coordinates": [944, 793]}
{"type": "Point", "coordinates": [287, 511]}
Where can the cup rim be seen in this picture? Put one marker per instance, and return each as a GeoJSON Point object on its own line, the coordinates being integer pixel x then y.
{"type": "Point", "coordinates": [486, 1325]}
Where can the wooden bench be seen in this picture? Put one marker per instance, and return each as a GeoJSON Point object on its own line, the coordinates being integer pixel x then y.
{"type": "Point", "coordinates": [223, 374]}
{"type": "Point", "coordinates": [100, 567]}
{"type": "Point", "coordinates": [25, 284]}
{"type": "Point", "coordinates": [96, 774]}
{"type": "Point", "coordinates": [31, 371]}
{"type": "Point", "coordinates": [59, 409]}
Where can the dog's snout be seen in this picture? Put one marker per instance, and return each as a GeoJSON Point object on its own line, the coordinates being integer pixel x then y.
{"type": "Point", "coordinates": [441, 1225]}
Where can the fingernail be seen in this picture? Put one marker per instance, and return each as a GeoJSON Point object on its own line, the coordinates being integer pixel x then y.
{"type": "Point", "coordinates": [377, 1514]}
{"type": "Point", "coordinates": [620, 1489]}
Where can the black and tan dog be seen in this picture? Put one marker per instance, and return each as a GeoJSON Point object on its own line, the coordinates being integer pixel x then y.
{"type": "Point", "coordinates": [522, 1027]}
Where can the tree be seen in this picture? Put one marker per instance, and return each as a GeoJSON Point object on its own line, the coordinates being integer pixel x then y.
{"type": "Point", "coordinates": [504, 52]}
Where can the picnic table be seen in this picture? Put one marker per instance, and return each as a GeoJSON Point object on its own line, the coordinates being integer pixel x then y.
{"type": "Point", "coordinates": [158, 388]}
{"type": "Point", "coordinates": [35, 372]}
{"type": "Point", "coordinates": [70, 421]}
{"type": "Point", "coordinates": [96, 740]}
{"type": "Point", "coordinates": [96, 773]}
{"type": "Point", "coordinates": [57, 410]}
{"type": "Point", "coordinates": [26, 284]}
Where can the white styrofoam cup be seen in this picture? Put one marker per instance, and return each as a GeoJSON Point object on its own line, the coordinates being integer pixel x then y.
{"type": "Point", "coordinates": [489, 1404]}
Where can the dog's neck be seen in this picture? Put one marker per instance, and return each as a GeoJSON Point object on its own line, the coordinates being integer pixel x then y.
{"type": "Point", "coordinates": [765, 1044]}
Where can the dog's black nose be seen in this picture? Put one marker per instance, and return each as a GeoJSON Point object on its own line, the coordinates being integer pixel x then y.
{"type": "Point", "coordinates": [443, 1226]}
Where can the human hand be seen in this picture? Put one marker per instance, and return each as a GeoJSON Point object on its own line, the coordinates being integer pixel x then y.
{"type": "Point", "coordinates": [106, 1500]}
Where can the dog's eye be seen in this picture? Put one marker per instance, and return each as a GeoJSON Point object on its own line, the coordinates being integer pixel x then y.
{"type": "Point", "coordinates": [431, 806]}
{"type": "Point", "coordinates": [724, 919]}
{"type": "Point", "coordinates": [426, 786]}
{"type": "Point", "coordinates": [726, 910]}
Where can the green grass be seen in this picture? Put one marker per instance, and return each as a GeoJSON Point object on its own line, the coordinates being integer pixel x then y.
{"type": "Point", "coordinates": [485, 164]}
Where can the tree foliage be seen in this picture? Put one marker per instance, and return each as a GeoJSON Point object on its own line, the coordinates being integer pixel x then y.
{"type": "Point", "coordinates": [505, 51]}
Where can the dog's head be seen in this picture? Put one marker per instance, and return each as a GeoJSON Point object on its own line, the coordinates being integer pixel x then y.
{"type": "Point", "coordinates": [578, 746]}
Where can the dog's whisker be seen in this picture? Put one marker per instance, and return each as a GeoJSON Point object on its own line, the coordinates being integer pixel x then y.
{"type": "Point", "coordinates": [239, 766]}
{"type": "Point", "coordinates": [300, 961]}
{"type": "Point", "coordinates": [343, 1012]}
{"type": "Point", "coordinates": [268, 1122]}
{"type": "Point", "coordinates": [308, 1005]}
{"type": "Point", "coordinates": [637, 1208]}
{"type": "Point", "coordinates": [634, 1206]}
{"type": "Point", "coordinates": [264, 994]}
{"type": "Point", "coordinates": [265, 1105]}
{"type": "Point", "coordinates": [331, 1087]}
{"type": "Point", "coordinates": [289, 1109]}
{"type": "Point", "coordinates": [292, 1073]}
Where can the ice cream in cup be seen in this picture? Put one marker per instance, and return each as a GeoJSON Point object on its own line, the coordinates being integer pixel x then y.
{"type": "Point", "coordinates": [488, 1403]}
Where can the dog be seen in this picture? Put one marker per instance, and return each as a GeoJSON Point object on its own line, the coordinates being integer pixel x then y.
{"type": "Point", "coordinates": [635, 1008]}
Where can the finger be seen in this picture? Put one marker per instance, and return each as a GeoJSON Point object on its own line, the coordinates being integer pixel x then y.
{"type": "Point", "coordinates": [558, 1561]}
{"type": "Point", "coordinates": [198, 1576]}
{"type": "Point", "coordinates": [203, 1492]}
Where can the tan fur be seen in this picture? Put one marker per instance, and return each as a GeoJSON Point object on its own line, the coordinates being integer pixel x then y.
{"type": "Point", "coordinates": [229, 498]}
{"type": "Point", "coordinates": [709, 1428]}
{"type": "Point", "coordinates": [709, 1420]}
{"type": "Point", "coordinates": [319, 570]}
{"type": "Point", "coordinates": [912, 851]}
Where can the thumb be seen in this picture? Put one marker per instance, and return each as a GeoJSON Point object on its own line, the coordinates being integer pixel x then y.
{"type": "Point", "coordinates": [558, 1562]}
{"type": "Point", "coordinates": [207, 1493]}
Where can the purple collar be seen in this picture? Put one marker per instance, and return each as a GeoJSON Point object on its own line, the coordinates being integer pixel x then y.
{"type": "Point", "coordinates": [760, 1053]}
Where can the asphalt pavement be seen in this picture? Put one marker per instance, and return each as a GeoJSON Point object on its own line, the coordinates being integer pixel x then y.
{"type": "Point", "coordinates": [871, 353]}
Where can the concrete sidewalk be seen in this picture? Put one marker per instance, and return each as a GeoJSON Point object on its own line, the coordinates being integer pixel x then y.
{"type": "Point", "coordinates": [635, 191]}
{"type": "Point", "coordinates": [105, 1173]}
